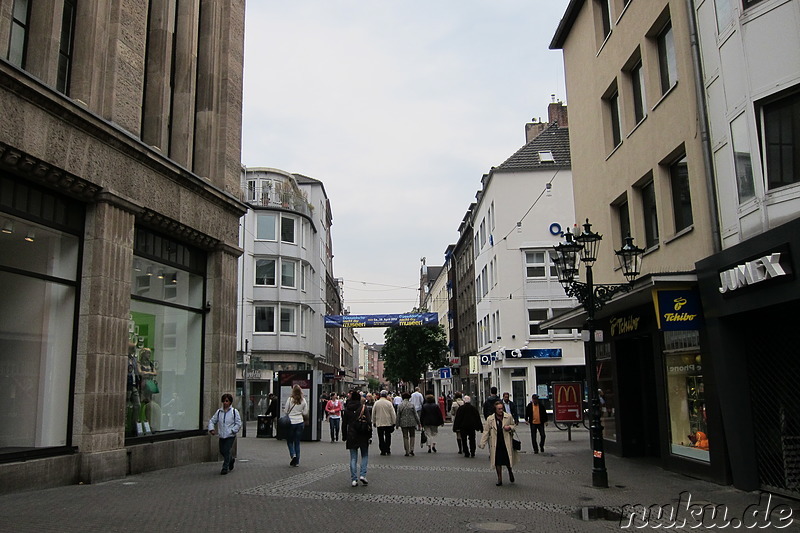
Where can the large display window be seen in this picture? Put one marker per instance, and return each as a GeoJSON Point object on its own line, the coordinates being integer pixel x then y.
{"type": "Point", "coordinates": [165, 340]}
{"type": "Point", "coordinates": [38, 274]}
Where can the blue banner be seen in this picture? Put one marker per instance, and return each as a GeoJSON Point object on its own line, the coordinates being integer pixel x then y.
{"type": "Point", "coordinates": [381, 321]}
{"type": "Point", "coordinates": [678, 310]}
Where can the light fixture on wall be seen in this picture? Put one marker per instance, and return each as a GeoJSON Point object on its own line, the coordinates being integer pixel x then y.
{"type": "Point", "coordinates": [8, 226]}
{"type": "Point", "coordinates": [161, 274]}
{"type": "Point", "coordinates": [31, 236]}
{"type": "Point", "coordinates": [137, 265]}
{"type": "Point", "coordinates": [149, 271]}
{"type": "Point", "coordinates": [174, 279]}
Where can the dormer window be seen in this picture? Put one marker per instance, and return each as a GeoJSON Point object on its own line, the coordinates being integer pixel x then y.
{"type": "Point", "coordinates": [546, 156]}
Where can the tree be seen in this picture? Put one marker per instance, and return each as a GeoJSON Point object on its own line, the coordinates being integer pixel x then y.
{"type": "Point", "coordinates": [409, 351]}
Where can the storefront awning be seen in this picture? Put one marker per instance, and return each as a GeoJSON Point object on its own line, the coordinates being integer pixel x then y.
{"type": "Point", "coordinates": [641, 294]}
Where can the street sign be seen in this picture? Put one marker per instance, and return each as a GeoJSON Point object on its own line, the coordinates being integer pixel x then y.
{"type": "Point", "coordinates": [567, 401]}
{"type": "Point", "coordinates": [445, 373]}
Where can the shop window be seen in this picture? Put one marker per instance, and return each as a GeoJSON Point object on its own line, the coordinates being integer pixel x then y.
{"type": "Point", "coordinates": [605, 386]}
{"type": "Point", "coordinates": [687, 403]}
{"type": "Point", "coordinates": [38, 274]}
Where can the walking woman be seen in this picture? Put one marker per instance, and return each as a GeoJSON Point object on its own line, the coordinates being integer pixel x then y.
{"type": "Point", "coordinates": [297, 409]}
{"type": "Point", "coordinates": [356, 440]}
{"type": "Point", "coordinates": [408, 421]}
{"type": "Point", "coordinates": [497, 432]}
{"type": "Point", "coordinates": [431, 416]}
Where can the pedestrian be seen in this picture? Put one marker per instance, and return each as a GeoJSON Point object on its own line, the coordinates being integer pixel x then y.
{"type": "Point", "coordinates": [297, 409]}
{"type": "Point", "coordinates": [417, 399]}
{"type": "Point", "coordinates": [456, 402]}
{"type": "Point", "coordinates": [334, 410]}
{"type": "Point", "coordinates": [408, 421]}
{"type": "Point", "coordinates": [431, 418]}
{"type": "Point", "coordinates": [467, 421]}
{"type": "Point", "coordinates": [396, 401]}
{"type": "Point", "coordinates": [383, 418]}
{"type": "Point", "coordinates": [228, 421]}
{"type": "Point", "coordinates": [323, 402]}
{"type": "Point", "coordinates": [488, 405]}
{"type": "Point", "coordinates": [497, 432]}
{"type": "Point", "coordinates": [510, 407]}
{"type": "Point", "coordinates": [354, 409]}
{"type": "Point", "coordinates": [536, 416]}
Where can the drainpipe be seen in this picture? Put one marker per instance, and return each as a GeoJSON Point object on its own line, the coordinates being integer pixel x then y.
{"type": "Point", "coordinates": [702, 120]}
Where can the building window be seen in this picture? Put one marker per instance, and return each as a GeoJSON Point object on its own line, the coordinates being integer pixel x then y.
{"type": "Point", "coordinates": [624, 217]}
{"type": "Point", "coordinates": [535, 317]}
{"type": "Point", "coordinates": [18, 43]}
{"type": "Point", "coordinates": [65, 46]}
{"type": "Point", "coordinates": [483, 233]}
{"type": "Point", "coordinates": [264, 319]}
{"type": "Point", "coordinates": [287, 230]}
{"type": "Point", "coordinates": [539, 265]}
{"type": "Point", "coordinates": [750, 3]}
{"type": "Point", "coordinates": [637, 87]}
{"type": "Point", "coordinates": [681, 198]}
{"type": "Point", "coordinates": [266, 227]}
{"type": "Point", "coordinates": [265, 272]}
{"type": "Point", "coordinates": [667, 61]}
{"type": "Point", "coordinates": [611, 104]}
{"type": "Point", "coordinates": [782, 141]}
{"type": "Point", "coordinates": [288, 273]}
{"type": "Point", "coordinates": [686, 396]}
{"type": "Point", "coordinates": [288, 320]}
{"type": "Point", "coordinates": [742, 161]}
{"type": "Point", "coordinates": [724, 12]}
{"type": "Point", "coordinates": [648, 192]}
{"type": "Point", "coordinates": [603, 11]}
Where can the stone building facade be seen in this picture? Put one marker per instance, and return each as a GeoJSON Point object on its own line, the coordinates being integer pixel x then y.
{"type": "Point", "coordinates": [119, 184]}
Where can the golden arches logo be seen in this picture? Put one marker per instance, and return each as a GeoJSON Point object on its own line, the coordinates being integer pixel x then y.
{"type": "Point", "coordinates": [567, 392]}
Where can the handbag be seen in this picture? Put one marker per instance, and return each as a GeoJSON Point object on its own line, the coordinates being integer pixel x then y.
{"type": "Point", "coordinates": [362, 424]}
{"type": "Point", "coordinates": [151, 386]}
{"type": "Point", "coordinates": [515, 442]}
{"type": "Point", "coordinates": [284, 421]}
{"type": "Point", "coordinates": [423, 438]}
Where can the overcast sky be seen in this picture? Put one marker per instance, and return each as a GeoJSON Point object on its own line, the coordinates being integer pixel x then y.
{"type": "Point", "coordinates": [399, 108]}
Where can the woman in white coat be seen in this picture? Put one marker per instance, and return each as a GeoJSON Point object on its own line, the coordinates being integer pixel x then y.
{"type": "Point", "coordinates": [497, 431]}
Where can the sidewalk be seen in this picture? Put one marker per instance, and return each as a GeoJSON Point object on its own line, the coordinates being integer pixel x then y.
{"type": "Point", "coordinates": [439, 492]}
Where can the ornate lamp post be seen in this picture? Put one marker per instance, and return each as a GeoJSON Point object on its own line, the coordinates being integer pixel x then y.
{"type": "Point", "coordinates": [583, 248]}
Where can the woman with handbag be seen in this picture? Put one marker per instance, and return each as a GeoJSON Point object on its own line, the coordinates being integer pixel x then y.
{"type": "Point", "coordinates": [408, 421]}
{"type": "Point", "coordinates": [296, 409]}
{"type": "Point", "coordinates": [431, 417]}
{"type": "Point", "coordinates": [357, 433]}
{"type": "Point", "coordinates": [497, 431]}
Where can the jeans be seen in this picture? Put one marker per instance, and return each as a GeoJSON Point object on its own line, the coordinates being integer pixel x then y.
{"type": "Point", "coordinates": [540, 429]}
{"type": "Point", "coordinates": [225, 446]}
{"type": "Point", "coordinates": [354, 474]}
{"type": "Point", "coordinates": [293, 435]}
{"type": "Point", "coordinates": [385, 438]}
{"type": "Point", "coordinates": [334, 422]}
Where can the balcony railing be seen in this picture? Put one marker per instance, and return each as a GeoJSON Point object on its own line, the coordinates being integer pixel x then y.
{"type": "Point", "coordinates": [290, 201]}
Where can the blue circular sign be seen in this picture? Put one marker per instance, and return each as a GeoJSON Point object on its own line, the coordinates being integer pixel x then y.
{"type": "Point", "coordinates": [555, 229]}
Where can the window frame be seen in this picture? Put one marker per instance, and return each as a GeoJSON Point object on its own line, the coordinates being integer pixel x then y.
{"type": "Point", "coordinates": [667, 57]}
{"type": "Point", "coordinates": [284, 264]}
{"type": "Point", "coordinates": [777, 109]}
{"type": "Point", "coordinates": [647, 191]}
{"type": "Point", "coordinates": [266, 307]}
{"type": "Point", "coordinates": [274, 271]}
{"type": "Point", "coordinates": [680, 185]}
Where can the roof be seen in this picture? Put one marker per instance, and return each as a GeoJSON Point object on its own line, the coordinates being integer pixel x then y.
{"type": "Point", "coordinates": [565, 26]}
{"type": "Point", "coordinates": [554, 140]}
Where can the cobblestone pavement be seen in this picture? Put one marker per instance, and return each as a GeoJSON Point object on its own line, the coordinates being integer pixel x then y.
{"type": "Point", "coordinates": [436, 492]}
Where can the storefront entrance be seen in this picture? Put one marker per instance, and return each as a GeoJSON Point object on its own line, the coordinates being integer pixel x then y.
{"type": "Point", "coordinates": [637, 405]}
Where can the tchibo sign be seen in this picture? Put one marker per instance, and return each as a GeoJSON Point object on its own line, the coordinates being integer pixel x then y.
{"type": "Point", "coordinates": [751, 273]}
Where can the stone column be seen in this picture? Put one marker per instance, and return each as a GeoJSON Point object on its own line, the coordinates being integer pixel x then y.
{"type": "Point", "coordinates": [101, 359]}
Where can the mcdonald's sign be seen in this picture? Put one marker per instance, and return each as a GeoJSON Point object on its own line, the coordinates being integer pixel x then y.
{"type": "Point", "coordinates": [568, 401]}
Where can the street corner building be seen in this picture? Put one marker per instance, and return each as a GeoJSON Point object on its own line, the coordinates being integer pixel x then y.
{"type": "Point", "coordinates": [119, 209]}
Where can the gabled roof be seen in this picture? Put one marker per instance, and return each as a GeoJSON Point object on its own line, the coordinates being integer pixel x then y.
{"type": "Point", "coordinates": [554, 140]}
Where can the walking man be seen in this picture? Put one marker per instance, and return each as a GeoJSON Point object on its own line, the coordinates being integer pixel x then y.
{"type": "Point", "coordinates": [488, 405]}
{"type": "Point", "coordinates": [536, 416]}
{"type": "Point", "coordinates": [510, 407]}
{"type": "Point", "coordinates": [383, 418]}
{"type": "Point", "coordinates": [417, 399]}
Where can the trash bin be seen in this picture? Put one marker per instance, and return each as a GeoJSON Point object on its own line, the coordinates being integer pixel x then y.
{"type": "Point", "coordinates": [264, 426]}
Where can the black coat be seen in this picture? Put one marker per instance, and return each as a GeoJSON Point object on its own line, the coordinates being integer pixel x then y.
{"type": "Point", "coordinates": [467, 417]}
{"type": "Point", "coordinates": [488, 406]}
{"type": "Point", "coordinates": [350, 413]}
{"type": "Point", "coordinates": [542, 412]}
{"type": "Point", "coordinates": [431, 415]}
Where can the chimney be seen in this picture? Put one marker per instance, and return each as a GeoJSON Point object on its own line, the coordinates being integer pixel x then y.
{"type": "Point", "coordinates": [557, 112]}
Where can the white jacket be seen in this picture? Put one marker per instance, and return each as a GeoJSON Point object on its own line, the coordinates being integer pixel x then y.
{"type": "Point", "coordinates": [229, 422]}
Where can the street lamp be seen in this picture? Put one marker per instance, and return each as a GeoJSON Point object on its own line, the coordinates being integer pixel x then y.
{"type": "Point", "coordinates": [583, 248]}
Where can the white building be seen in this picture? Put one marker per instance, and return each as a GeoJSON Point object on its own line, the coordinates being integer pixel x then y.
{"type": "Point", "coordinates": [521, 210]}
{"type": "Point", "coordinates": [287, 257]}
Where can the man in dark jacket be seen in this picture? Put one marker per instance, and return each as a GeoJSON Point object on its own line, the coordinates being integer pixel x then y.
{"type": "Point", "coordinates": [467, 421]}
{"type": "Point", "coordinates": [488, 405]}
{"type": "Point", "coordinates": [536, 416]}
{"type": "Point", "coordinates": [510, 407]}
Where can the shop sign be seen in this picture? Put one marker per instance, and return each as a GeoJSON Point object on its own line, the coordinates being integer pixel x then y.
{"type": "Point", "coordinates": [254, 374]}
{"type": "Point", "coordinates": [534, 353]}
{"type": "Point", "coordinates": [474, 366]}
{"type": "Point", "coordinates": [678, 310]}
{"type": "Point", "coordinates": [567, 401]}
{"type": "Point", "coordinates": [751, 272]}
{"type": "Point", "coordinates": [625, 324]}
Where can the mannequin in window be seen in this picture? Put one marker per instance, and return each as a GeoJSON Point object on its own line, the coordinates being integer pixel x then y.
{"type": "Point", "coordinates": [132, 387]}
{"type": "Point", "coordinates": [149, 387]}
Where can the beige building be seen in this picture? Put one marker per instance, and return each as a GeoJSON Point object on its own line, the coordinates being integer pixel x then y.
{"type": "Point", "coordinates": [119, 185]}
{"type": "Point", "coordinates": [639, 166]}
